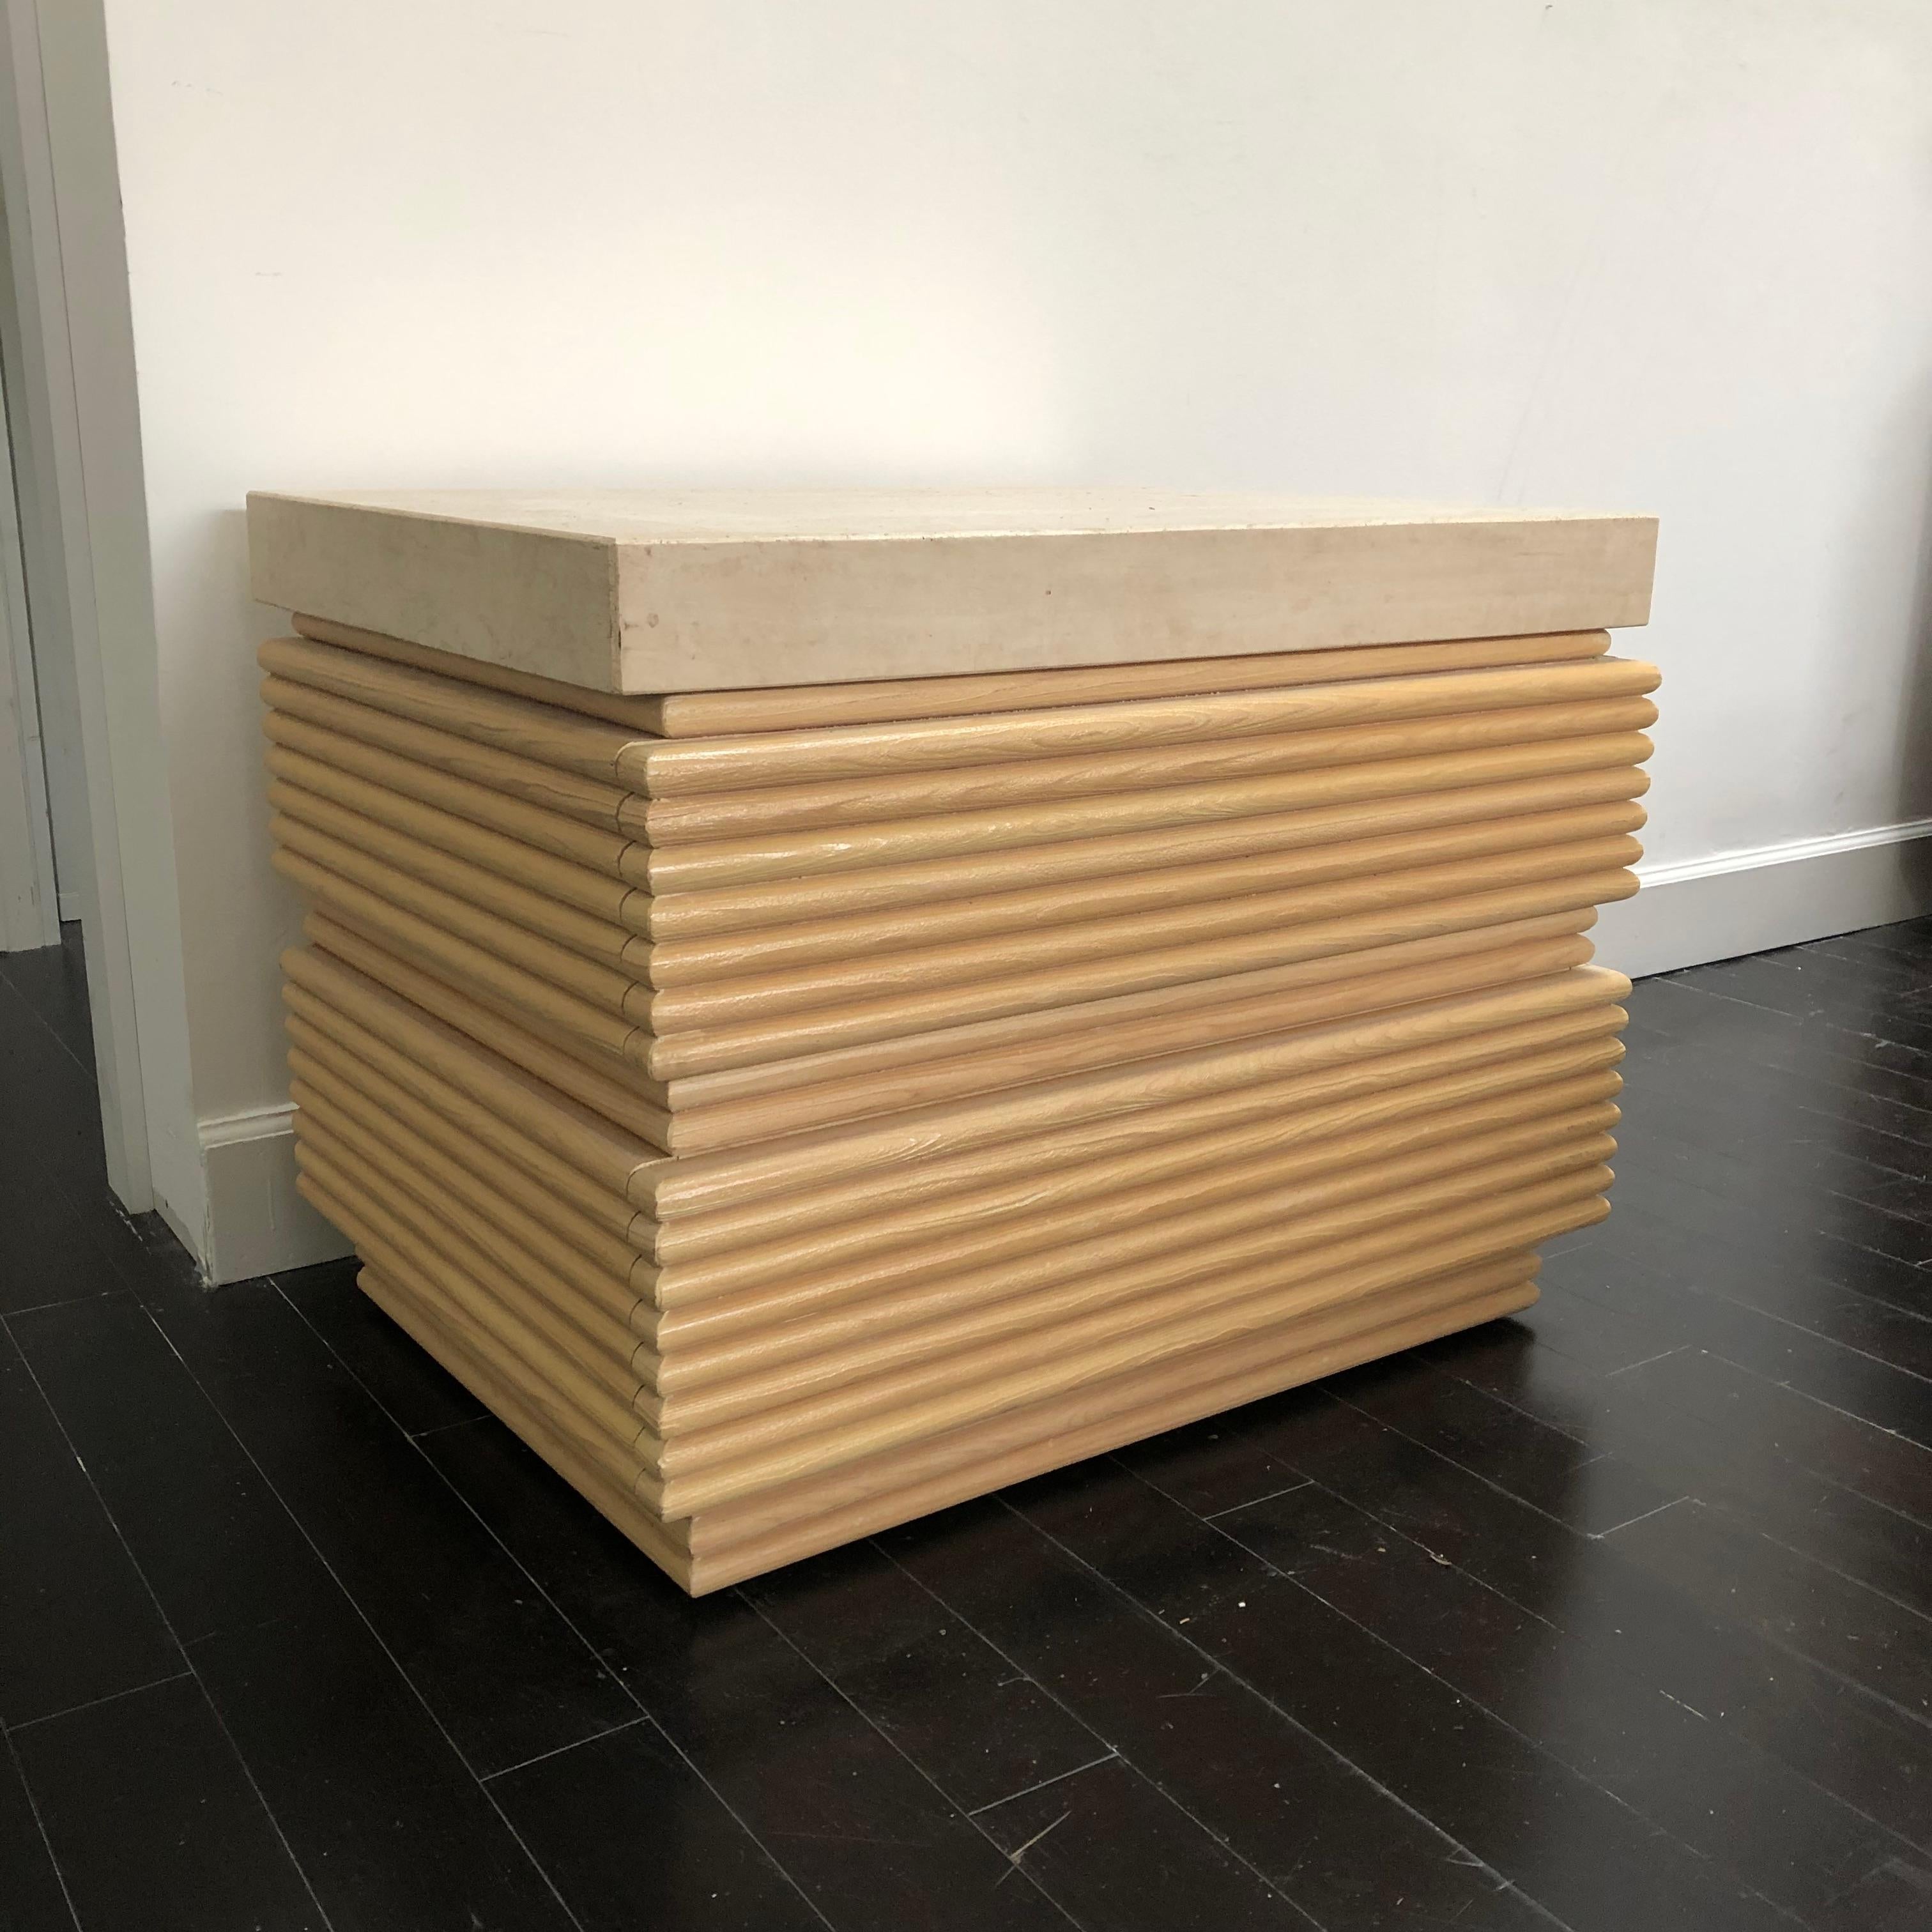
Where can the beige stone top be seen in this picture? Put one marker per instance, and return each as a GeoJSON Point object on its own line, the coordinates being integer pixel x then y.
{"type": "Point", "coordinates": [661, 591]}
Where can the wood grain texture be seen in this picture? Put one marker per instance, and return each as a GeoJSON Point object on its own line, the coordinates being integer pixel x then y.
{"type": "Point", "coordinates": [593, 847]}
{"type": "Point", "coordinates": [461, 814]}
{"type": "Point", "coordinates": [706, 1296]}
{"type": "Point", "coordinates": [757, 1306]}
{"type": "Point", "coordinates": [657, 769]}
{"type": "Point", "coordinates": [1005, 784]}
{"type": "Point", "coordinates": [733, 863]}
{"type": "Point", "coordinates": [530, 780]}
{"type": "Point", "coordinates": [733, 1293]}
{"type": "Point", "coordinates": [902, 888]}
{"type": "Point", "coordinates": [758, 760]}
{"type": "Point", "coordinates": [601, 1007]}
{"type": "Point", "coordinates": [357, 803]}
{"type": "Point", "coordinates": [523, 1036]}
{"type": "Point", "coordinates": [596, 1221]}
{"type": "Point", "coordinates": [1116, 1041]}
{"type": "Point", "coordinates": [602, 1267]}
{"type": "Point", "coordinates": [1177, 1005]}
{"type": "Point", "coordinates": [373, 853]}
{"type": "Point", "coordinates": [740, 1459]}
{"type": "Point", "coordinates": [735, 1249]}
{"type": "Point", "coordinates": [704, 1050]}
{"type": "Point", "coordinates": [920, 1136]}
{"type": "Point", "coordinates": [642, 715]}
{"type": "Point", "coordinates": [540, 1026]}
{"type": "Point", "coordinates": [784, 1523]}
{"type": "Point", "coordinates": [711, 1260]}
{"type": "Point", "coordinates": [415, 1095]}
{"type": "Point", "coordinates": [992, 1357]}
{"type": "Point", "coordinates": [387, 1222]}
{"type": "Point", "coordinates": [879, 1366]}
{"type": "Point", "coordinates": [500, 1380]}
{"type": "Point", "coordinates": [606, 983]}
{"type": "Point", "coordinates": [481, 1303]}
{"type": "Point", "coordinates": [687, 1232]}
{"type": "Point", "coordinates": [831, 963]}
{"type": "Point", "coordinates": [596, 1356]}
{"type": "Point", "coordinates": [519, 888]}
{"type": "Point", "coordinates": [318, 987]}
{"type": "Point", "coordinates": [791, 707]}
{"type": "Point", "coordinates": [806, 1347]}
{"type": "Point", "coordinates": [698, 1472]}
{"type": "Point", "coordinates": [935, 1067]}
{"type": "Point", "coordinates": [787, 1521]}
{"type": "Point", "coordinates": [475, 969]}
{"type": "Point", "coordinates": [880, 973]}
{"type": "Point", "coordinates": [541, 733]}
{"type": "Point", "coordinates": [1176, 893]}
{"type": "Point", "coordinates": [794, 707]}
{"type": "Point", "coordinates": [963, 1059]}
{"type": "Point", "coordinates": [576, 1404]}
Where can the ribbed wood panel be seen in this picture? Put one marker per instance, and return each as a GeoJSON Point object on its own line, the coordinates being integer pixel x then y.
{"type": "Point", "coordinates": [841, 1102]}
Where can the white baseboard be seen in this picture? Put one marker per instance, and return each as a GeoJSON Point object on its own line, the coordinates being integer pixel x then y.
{"type": "Point", "coordinates": [1741, 902]}
{"type": "Point", "coordinates": [1707, 909]}
{"type": "Point", "coordinates": [257, 1223]}
{"type": "Point", "coordinates": [69, 905]}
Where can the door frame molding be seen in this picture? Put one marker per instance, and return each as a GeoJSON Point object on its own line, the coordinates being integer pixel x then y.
{"type": "Point", "coordinates": [53, 443]}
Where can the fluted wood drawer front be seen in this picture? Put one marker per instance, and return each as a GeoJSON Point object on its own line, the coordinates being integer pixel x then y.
{"type": "Point", "coordinates": [1453, 1049]}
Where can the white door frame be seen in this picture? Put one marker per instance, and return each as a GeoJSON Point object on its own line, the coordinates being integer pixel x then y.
{"type": "Point", "coordinates": [42, 316]}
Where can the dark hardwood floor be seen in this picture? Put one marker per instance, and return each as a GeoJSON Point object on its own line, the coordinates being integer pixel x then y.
{"type": "Point", "coordinates": [1614, 1617]}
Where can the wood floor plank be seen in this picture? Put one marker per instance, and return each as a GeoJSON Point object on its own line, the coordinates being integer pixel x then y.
{"type": "Point", "coordinates": [1875, 1304]}
{"type": "Point", "coordinates": [1771, 1830]}
{"type": "Point", "coordinates": [1859, 1747]}
{"type": "Point", "coordinates": [871, 1842]}
{"type": "Point", "coordinates": [1393, 1716]}
{"type": "Point", "coordinates": [508, 1680]}
{"type": "Point", "coordinates": [193, 1847]}
{"type": "Point", "coordinates": [77, 1622]}
{"type": "Point", "coordinates": [1795, 1596]}
{"type": "Point", "coordinates": [1682, 1315]}
{"type": "Point", "coordinates": [1112, 1849]}
{"type": "Point", "coordinates": [585, 1813]}
{"type": "Point", "coordinates": [1341, 1845]}
{"type": "Point", "coordinates": [1724, 1452]}
{"type": "Point", "coordinates": [976, 1725]}
{"type": "Point", "coordinates": [37, 1901]}
{"type": "Point", "coordinates": [1817, 1434]}
{"type": "Point", "coordinates": [342, 1749]}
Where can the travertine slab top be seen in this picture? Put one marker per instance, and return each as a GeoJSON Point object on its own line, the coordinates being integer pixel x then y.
{"type": "Point", "coordinates": [659, 591]}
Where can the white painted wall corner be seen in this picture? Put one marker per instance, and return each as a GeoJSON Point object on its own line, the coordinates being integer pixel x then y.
{"type": "Point", "coordinates": [257, 1223]}
{"type": "Point", "coordinates": [1747, 901]}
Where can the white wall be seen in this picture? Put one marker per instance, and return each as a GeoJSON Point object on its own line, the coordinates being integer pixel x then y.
{"type": "Point", "coordinates": [1672, 255]}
